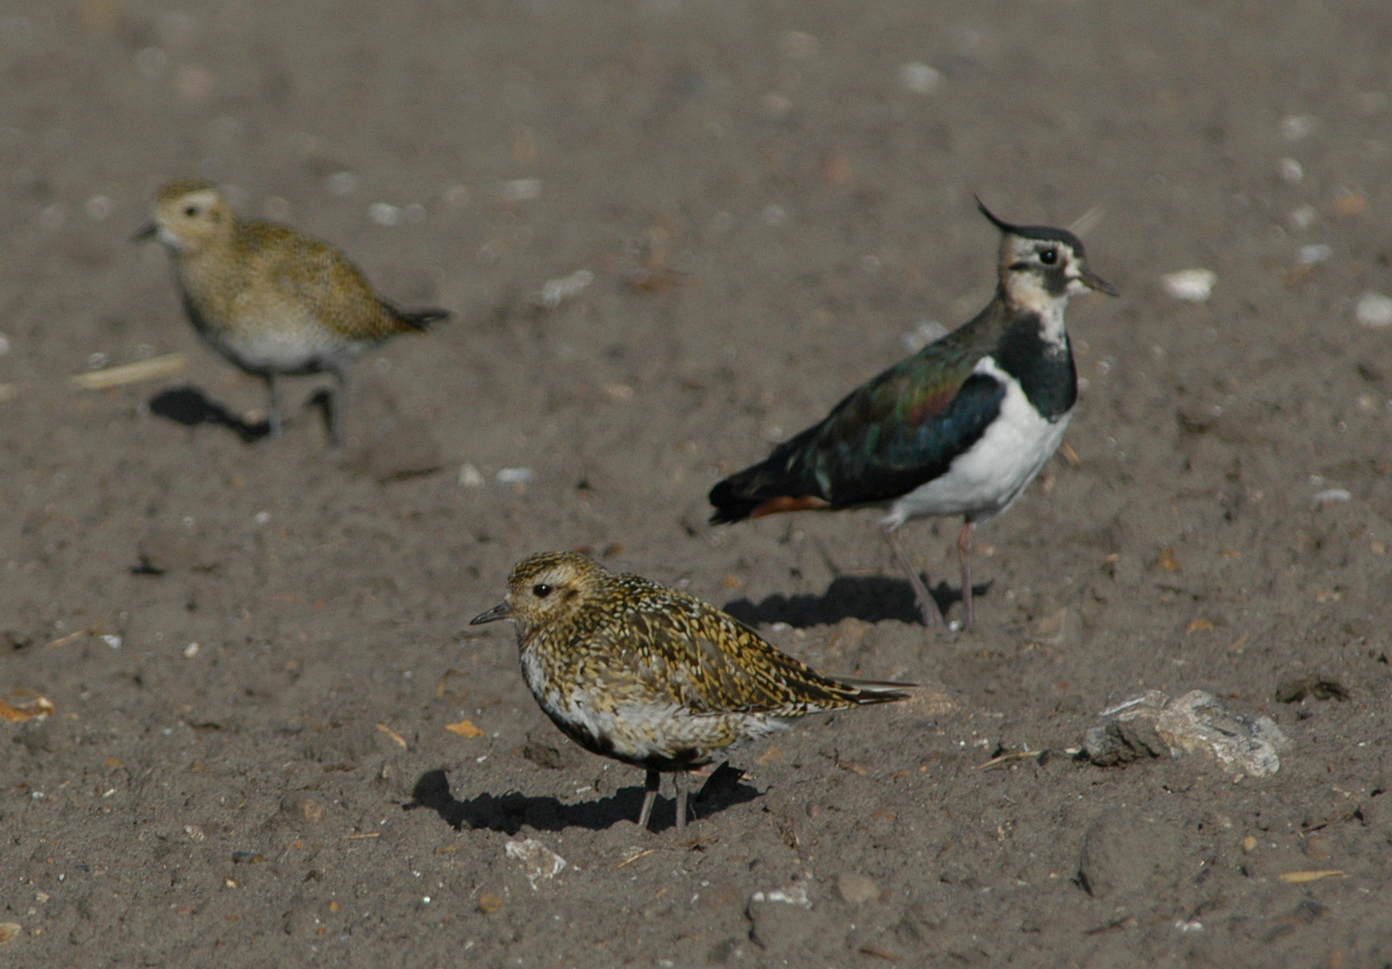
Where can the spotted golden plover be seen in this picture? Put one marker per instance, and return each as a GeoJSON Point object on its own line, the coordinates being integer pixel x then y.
{"type": "Point", "coordinates": [960, 428]}
{"type": "Point", "coordinates": [654, 677]}
{"type": "Point", "coordinates": [270, 299]}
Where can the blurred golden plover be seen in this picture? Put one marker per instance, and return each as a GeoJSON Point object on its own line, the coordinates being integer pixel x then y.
{"type": "Point", "coordinates": [654, 677]}
{"type": "Point", "coordinates": [270, 299]}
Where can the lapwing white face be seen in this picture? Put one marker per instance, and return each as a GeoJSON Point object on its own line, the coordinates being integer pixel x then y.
{"type": "Point", "coordinates": [1039, 272]}
{"type": "Point", "coordinates": [191, 221]}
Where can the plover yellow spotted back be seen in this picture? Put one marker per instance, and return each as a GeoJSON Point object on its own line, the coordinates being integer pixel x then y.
{"type": "Point", "coordinates": [270, 299]}
{"type": "Point", "coordinates": [960, 428]}
{"type": "Point", "coordinates": [654, 677]}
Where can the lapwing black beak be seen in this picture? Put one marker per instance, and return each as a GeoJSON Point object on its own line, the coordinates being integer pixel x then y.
{"type": "Point", "coordinates": [146, 231]}
{"type": "Point", "coordinates": [1094, 281]}
{"type": "Point", "coordinates": [500, 611]}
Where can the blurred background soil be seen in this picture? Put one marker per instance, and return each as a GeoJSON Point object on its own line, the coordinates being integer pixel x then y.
{"type": "Point", "coordinates": [674, 232]}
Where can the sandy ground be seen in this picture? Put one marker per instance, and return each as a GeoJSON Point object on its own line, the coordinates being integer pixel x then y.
{"type": "Point", "coordinates": [254, 648]}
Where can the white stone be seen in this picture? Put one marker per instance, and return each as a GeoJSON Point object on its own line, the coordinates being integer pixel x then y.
{"type": "Point", "coordinates": [539, 863]}
{"type": "Point", "coordinates": [1190, 285]}
{"type": "Point", "coordinates": [1374, 310]}
{"type": "Point", "coordinates": [1314, 255]}
{"type": "Point", "coordinates": [1297, 126]}
{"type": "Point", "coordinates": [919, 78]}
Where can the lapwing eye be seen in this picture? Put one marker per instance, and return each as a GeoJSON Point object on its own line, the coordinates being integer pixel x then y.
{"type": "Point", "coordinates": [1048, 256]}
{"type": "Point", "coordinates": [541, 590]}
{"type": "Point", "coordinates": [191, 211]}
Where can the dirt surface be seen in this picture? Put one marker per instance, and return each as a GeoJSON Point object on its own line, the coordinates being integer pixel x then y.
{"type": "Point", "coordinates": [255, 649]}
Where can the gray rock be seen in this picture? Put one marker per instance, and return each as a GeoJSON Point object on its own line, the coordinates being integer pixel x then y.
{"type": "Point", "coordinates": [1197, 722]}
{"type": "Point", "coordinates": [1123, 741]}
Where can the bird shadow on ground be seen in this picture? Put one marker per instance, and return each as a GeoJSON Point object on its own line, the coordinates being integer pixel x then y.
{"type": "Point", "coordinates": [189, 406]}
{"type": "Point", "coordinates": [869, 598]}
{"type": "Point", "coordinates": [509, 812]}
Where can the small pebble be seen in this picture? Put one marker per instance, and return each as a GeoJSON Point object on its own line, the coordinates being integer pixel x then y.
{"type": "Point", "coordinates": [1318, 848]}
{"type": "Point", "coordinates": [792, 895]}
{"type": "Point", "coordinates": [1249, 845]}
{"type": "Point", "coordinates": [469, 477]}
{"type": "Point", "coordinates": [4, 344]}
{"type": "Point", "coordinates": [539, 863]}
{"type": "Point", "coordinates": [1314, 255]}
{"type": "Point", "coordinates": [516, 476]}
{"type": "Point", "coordinates": [1374, 310]}
{"type": "Point", "coordinates": [341, 183]}
{"type": "Point", "coordinates": [191, 650]}
{"type": "Point", "coordinates": [384, 214]}
{"type": "Point", "coordinates": [1297, 126]}
{"type": "Point", "coordinates": [488, 904]}
{"type": "Point", "coordinates": [856, 889]}
{"type": "Point", "coordinates": [919, 78]}
{"type": "Point", "coordinates": [521, 189]}
{"type": "Point", "coordinates": [1190, 285]}
{"type": "Point", "coordinates": [1330, 495]}
{"type": "Point", "coordinates": [1348, 203]}
{"type": "Point", "coordinates": [1291, 171]}
{"type": "Point", "coordinates": [556, 291]}
{"type": "Point", "coordinates": [9, 931]}
{"type": "Point", "coordinates": [1303, 217]}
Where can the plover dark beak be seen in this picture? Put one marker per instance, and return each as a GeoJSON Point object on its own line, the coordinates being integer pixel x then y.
{"type": "Point", "coordinates": [501, 611]}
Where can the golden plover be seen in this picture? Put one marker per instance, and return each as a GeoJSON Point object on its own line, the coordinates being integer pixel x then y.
{"type": "Point", "coordinates": [270, 299]}
{"type": "Point", "coordinates": [654, 677]}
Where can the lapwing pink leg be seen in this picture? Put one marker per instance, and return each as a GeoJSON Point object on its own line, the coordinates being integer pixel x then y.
{"type": "Point", "coordinates": [927, 605]}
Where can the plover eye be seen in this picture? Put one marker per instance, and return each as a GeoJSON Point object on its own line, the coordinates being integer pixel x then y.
{"type": "Point", "coordinates": [541, 590]}
{"type": "Point", "coordinates": [191, 211]}
{"type": "Point", "coordinates": [1048, 256]}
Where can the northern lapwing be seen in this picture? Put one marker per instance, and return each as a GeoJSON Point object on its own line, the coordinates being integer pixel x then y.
{"type": "Point", "coordinates": [960, 428]}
